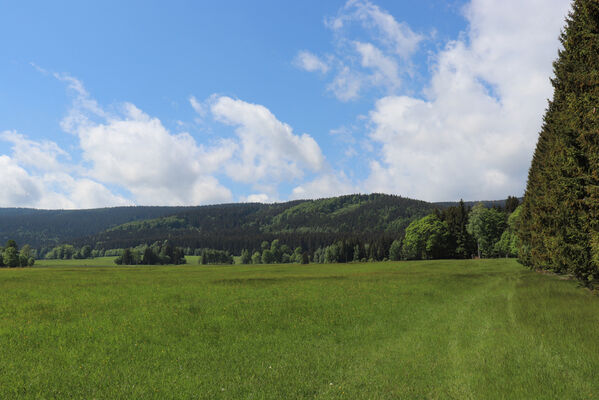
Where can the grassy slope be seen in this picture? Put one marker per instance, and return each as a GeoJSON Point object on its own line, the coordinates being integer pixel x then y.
{"type": "Point", "coordinates": [442, 329]}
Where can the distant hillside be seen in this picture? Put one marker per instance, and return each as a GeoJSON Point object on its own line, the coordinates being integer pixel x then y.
{"type": "Point", "coordinates": [50, 227]}
{"type": "Point", "coordinates": [306, 223]}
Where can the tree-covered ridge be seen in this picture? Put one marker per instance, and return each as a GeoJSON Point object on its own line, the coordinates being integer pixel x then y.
{"type": "Point", "coordinates": [308, 224]}
{"type": "Point", "coordinates": [172, 222]}
{"type": "Point", "coordinates": [375, 219]}
{"type": "Point", "coordinates": [370, 213]}
{"type": "Point", "coordinates": [48, 228]}
{"type": "Point", "coordinates": [559, 227]}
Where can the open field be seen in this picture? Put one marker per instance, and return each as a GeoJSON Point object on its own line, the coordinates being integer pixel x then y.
{"type": "Point", "coordinates": [439, 329]}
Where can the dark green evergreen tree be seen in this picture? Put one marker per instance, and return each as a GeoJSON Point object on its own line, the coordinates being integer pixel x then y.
{"type": "Point", "coordinates": [559, 222]}
{"type": "Point", "coordinates": [461, 243]}
{"type": "Point", "coordinates": [511, 204]}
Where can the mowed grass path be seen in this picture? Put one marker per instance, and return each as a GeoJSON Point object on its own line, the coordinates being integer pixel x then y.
{"type": "Point", "coordinates": [439, 329]}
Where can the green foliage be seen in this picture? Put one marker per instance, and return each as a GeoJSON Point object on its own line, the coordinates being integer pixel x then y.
{"type": "Point", "coordinates": [511, 204]}
{"type": "Point", "coordinates": [486, 225]}
{"type": "Point", "coordinates": [395, 250]}
{"type": "Point", "coordinates": [157, 254]}
{"type": "Point", "coordinates": [10, 257]}
{"type": "Point", "coordinates": [212, 256]}
{"type": "Point", "coordinates": [456, 218]}
{"type": "Point", "coordinates": [426, 239]}
{"type": "Point", "coordinates": [268, 257]}
{"type": "Point", "coordinates": [559, 230]}
{"type": "Point", "coordinates": [163, 223]}
{"type": "Point", "coordinates": [62, 252]}
{"type": "Point", "coordinates": [509, 243]}
{"type": "Point", "coordinates": [49, 228]}
{"type": "Point", "coordinates": [297, 256]}
{"type": "Point", "coordinates": [246, 258]}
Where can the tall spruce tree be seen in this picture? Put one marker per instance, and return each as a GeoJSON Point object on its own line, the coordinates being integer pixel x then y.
{"type": "Point", "coordinates": [559, 227]}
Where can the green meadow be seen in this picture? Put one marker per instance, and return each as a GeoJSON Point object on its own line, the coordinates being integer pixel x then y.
{"type": "Point", "coordinates": [432, 330]}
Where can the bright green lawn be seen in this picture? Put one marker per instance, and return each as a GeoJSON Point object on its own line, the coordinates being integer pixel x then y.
{"type": "Point", "coordinates": [442, 329]}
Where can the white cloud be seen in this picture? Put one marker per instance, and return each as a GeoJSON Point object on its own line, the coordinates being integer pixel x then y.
{"type": "Point", "coordinates": [386, 69]}
{"type": "Point", "coordinates": [128, 149]}
{"type": "Point", "coordinates": [40, 155]}
{"type": "Point", "coordinates": [197, 106]}
{"type": "Point", "coordinates": [83, 105]}
{"type": "Point", "coordinates": [310, 62]}
{"type": "Point", "coordinates": [18, 188]}
{"type": "Point", "coordinates": [257, 198]}
{"type": "Point", "coordinates": [346, 85]}
{"type": "Point", "coordinates": [325, 185]}
{"type": "Point", "coordinates": [473, 134]}
{"type": "Point", "coordinates": [384, 57]}
{"type": "Point", "coordinates": [267, 150]}
{"type": "Point", "coordinates": [398, 36]}
{"type": "Point", "coordinates": [51, 188]}
{"type": "Point", "coordinates": [137, 152]}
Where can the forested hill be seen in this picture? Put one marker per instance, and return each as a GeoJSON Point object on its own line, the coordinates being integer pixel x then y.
{"type": "Point", "coordinates": [305, 223]}
{"type": "Point", "coordinates": [50, 227]}
{"type": "Point", "coordinates": [309, 223]}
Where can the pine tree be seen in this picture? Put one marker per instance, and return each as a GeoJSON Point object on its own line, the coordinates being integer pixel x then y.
{"type": "Point", "coordinates": [559, 227]}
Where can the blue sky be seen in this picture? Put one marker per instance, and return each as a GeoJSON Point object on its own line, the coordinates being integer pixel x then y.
{"type": "Point", "coordinates": [187, 102]}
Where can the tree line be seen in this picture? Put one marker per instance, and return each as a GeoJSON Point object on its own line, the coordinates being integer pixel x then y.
{"type": "Point", "coordinates": [455, 232]}
{"type": "Point", "coordinates": [12, 257]}
{"type": "Point", "coordinates": [159, 253]}
{"type": "Point", "coordinates": [559, 222]}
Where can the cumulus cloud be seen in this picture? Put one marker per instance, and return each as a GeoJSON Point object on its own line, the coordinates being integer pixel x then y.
{"type": "Point", "coordinates": [127, 149]}
{"type": "Point", "coordinates": [386, 69]}
{"type": "Point", "coordinates": [395, 35]}
{"type": "Point", "coordinates": [257, 198]}
{"type": "Point", "coordinates": [19, 189]}
{"type": "Point", "coordinates": [310, 62]}
{"type": "Point", "coordinates": [267, 149]}
{"type": "Point", "coordinates": [346, 85]}
{"type": "Point", "coordinates": [51, 185]}
{"type": "Point", "coordinates": [40, 155]}
{"type": "Point", "coordinates": [383, 57]}
{"type": "Point", "coordinates": [325, 185]}
{"type": "Point", "coordinates": [473, 133]}
{"type": "Point", "coordinates": [137, 152]}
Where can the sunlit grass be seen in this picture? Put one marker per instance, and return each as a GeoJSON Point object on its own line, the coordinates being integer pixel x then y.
{"type": "Point", "coordinates": [439, 329]}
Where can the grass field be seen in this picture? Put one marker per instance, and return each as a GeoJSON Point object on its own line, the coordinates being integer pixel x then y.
{"type": "Point", "coordinates": [439, 329]}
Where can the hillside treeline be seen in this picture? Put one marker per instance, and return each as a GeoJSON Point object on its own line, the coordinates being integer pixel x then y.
{"type": "Point", "coordinates": [49, 228]}
{"type": "Point", "coordinates": [308, 224]}
{"type": "Point", "coordinates": [455, 232]}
